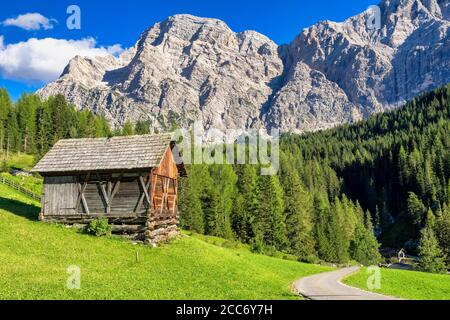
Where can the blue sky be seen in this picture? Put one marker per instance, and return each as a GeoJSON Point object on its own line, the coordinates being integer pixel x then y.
{"type": "Point", "coordinates": [108, 23]}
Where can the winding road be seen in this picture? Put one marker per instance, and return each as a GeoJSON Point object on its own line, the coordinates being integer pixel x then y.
{"type": "Point", "coordinates": [328, 286]}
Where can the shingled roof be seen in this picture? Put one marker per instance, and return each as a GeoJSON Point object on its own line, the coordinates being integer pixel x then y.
{"type": "Point", "coordinates": [103, 154]}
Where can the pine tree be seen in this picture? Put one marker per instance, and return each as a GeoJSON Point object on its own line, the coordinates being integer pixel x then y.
{"type": "Point", "coordinates": [142, 127]}
{"type": "Point", "coordinates": [337, 232]}
{"type": "Point", "coordinates": [431, 256]}
{"type": "Point", "coordinates": [12, 133]}
{"type": "Point", "coordinates": [245, 211]}
{"type": "Point", "coordinates": [102, 128]}
{"type": "Point", "coordinates": [365, 247]}
{"type": "Point", "coordinates": [44, 130]}
{"type": "Point", "coordinates": [325, 247]}
{"type": "Point", "coordinates": [222, 192]}
{"type": "Point", "coordinates": [298, 212]}
{"type": "Point", "coordinates": [270, 220]}
{"type": "Point", "coordinates": [128, 129]}
{"type": "Point", "coordinates": [190, 204]}
{"type": "Point", "coordinates": [61, 118]}
{"type": "Point", "coordinates": [442, 228]}
{"type": "Point", "coordinates": [5, 107]}
{"type": "Point", "coordinates": [26, 111]}
{"type": "Point", "coordinates": [416, 209]}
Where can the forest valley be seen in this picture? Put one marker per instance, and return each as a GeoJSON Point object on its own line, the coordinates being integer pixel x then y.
{"type": "Point", "coordinates": [340, 193]}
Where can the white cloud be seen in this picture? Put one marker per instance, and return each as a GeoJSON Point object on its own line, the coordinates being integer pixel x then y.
{"type": "Point", "coordinates": [30, 21]}
{"type": "Point", "coordinates": [43, 60]}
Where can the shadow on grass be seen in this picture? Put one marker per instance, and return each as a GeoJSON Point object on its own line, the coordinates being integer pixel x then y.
{"type": "Point", "coordinates": [29, 211]}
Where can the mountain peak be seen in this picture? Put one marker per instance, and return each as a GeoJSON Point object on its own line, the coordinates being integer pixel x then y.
{"type": "Point", "coordinates": [187, 68]}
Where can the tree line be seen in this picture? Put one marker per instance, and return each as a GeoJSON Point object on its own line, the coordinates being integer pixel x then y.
{"type": "Point", "coordinates": [33, 126]}
{"type": "Point", "coordinates": [397, 166]}
{"type": "Point", "coordinates": [341, 191]}
{"type": "Point", "coordinates": [338, 195]}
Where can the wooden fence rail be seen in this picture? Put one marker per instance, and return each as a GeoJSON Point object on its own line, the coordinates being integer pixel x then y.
{"type": "Point", "coordinates": [19, 188]}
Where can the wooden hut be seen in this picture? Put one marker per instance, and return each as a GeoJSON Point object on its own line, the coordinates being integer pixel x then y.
{"type": "Point", "coordinates": [132, 181]}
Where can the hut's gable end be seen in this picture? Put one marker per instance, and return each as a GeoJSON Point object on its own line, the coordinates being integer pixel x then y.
{"type": "Point", "coordinates": [167, 166]}
{"type": "Point", "coordinates": [165, 187]}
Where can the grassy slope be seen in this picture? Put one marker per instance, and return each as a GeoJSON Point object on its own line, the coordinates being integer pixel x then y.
{"type": "Point", "coordinates": [18, 161]}
{"type": "Point", "coordinates": [406, 284]}
{"type": "Point", "coordinates": [34, 258]}
{"type": "Point", "coordinates": [32, 184]}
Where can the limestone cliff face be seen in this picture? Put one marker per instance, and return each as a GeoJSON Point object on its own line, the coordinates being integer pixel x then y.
{"type": "Point", "coordinates": [188, 69]}
{"type": "Point", "coordinates": [181, 70]}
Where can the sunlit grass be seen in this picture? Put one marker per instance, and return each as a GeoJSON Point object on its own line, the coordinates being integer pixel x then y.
{"type": "Point", "coordinates": [406, 284]}
{"type": "Point", "coordinates": [34, 258]}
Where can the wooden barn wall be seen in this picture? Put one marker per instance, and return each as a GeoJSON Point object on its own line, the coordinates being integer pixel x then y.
{"type": "Point", "coordinates": [60, 195]}
{"type": "Point", "coordinates": [63, 202]}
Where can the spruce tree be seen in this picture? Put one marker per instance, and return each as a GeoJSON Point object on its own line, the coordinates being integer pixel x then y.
{"type": "Point", "coordinates": [270, 220]}
{"type": "Point", "coordinates": [222, 193]}
{"type": "Point", "coordinates": [44, 130]}
{"type": "Point", "coordinates": [12, 133]}
{"type": "Point", "coordinates": [431, 256]}
{"type": "Point", "coordinates": [365, 247]}
{"type": "Point", "coordinates": [102, 128]}
{"type": "Point", "coordinates": [298, 212]}
{"type": "Point", "coordinates": [337, 232]}
{"type": "Point", "coordinates": [324, 244]}
{"type": "Point", "coordinates": [142, 127]}
{"type": "Point", "coordinates": [416, 209]}
{"type": "Point", "coordinates": [5, 107]}
{"type": "Point", "coordinates": [245, 211]}
{"type": "Point", "coordinates": [190, 204]}
{"type": "Point", "coordinates": [442, 228]}
{"type": "Point", "coordinates": [26, 111]}
{"type": "Point", "coordinates": [128, 129]}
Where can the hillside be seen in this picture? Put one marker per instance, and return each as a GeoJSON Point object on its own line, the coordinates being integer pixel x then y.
{"type": "Point", "coordinates": [34, 258]}
{"type": "Point", "coordinates": [395, 164]}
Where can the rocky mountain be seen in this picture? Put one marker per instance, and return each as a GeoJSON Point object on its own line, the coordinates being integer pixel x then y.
{"type": "Point", "coordinates": [188, 69]}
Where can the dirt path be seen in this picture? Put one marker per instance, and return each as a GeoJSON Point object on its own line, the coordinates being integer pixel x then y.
{"type": "Point", "coordinates": [328, 286]}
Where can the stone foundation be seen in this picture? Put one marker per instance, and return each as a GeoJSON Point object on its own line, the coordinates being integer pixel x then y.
{"type": "Point", "coordinates": [161, 229]}
{"type": "Point", "coordinates": [147, 229]}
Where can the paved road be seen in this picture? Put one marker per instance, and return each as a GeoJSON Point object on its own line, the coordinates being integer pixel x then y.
{"type": "Point", "coordinates": [328, 286]}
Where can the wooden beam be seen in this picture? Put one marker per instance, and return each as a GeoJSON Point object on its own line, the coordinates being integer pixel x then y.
{"type": "Point", "coordinates": [164, 197]}
{"type": "Point", "coordinates": [144, 194]}
{"type": "Point", "coordinates": [104, 193]}
{"type": "Point", "coordinates": [175, 198]}
{"type": "Point", "coordinates": [114, 191]}
{"type": "Point", "coordinates": [154, 181]}
{"type": "Point", "coordinates": [81, 198]}
{"type": "Point", "coordinates": [109, 185]}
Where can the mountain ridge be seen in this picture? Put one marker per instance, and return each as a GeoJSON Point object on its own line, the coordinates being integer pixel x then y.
{"type": "Point", "coordinates": [186, 69]}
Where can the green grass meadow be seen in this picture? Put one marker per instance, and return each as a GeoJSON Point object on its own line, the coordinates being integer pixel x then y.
{"type": "Point", "coordinates": [409, 285]}
{"type": "Point", "coordinates": [34, 258]}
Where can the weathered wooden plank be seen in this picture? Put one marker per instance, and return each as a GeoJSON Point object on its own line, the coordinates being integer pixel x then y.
{"type": "Point", "coordinates": [145, 187]}
{"type": "Point", "coordinates": [81, 199]}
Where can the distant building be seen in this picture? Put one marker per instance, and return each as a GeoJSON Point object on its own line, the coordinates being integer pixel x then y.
{"type": "Point", "coordinates": [132, 181]}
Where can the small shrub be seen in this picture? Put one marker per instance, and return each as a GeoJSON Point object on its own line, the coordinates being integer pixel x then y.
{"type": "Point", "coordinates": [99, 227]}
{"type": "Point", "coordinates": [257, 245]}
{"type": "Point", "coordinates": [270, 251]}
{"type": "Point", "coordinates": [311, 259]}
{"type": "Point", "coordinates": [4, 166]}
{"type": "Point", "coordinates": [230, 244]}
